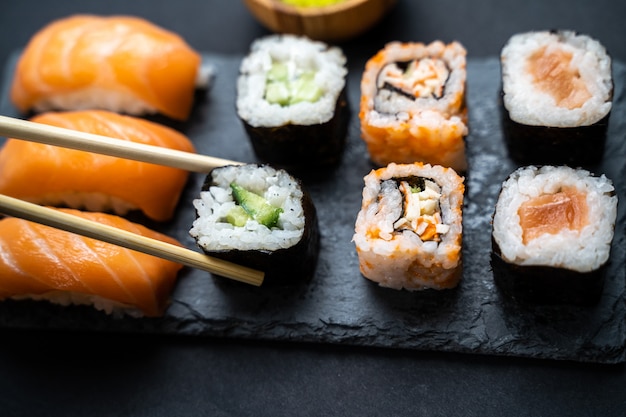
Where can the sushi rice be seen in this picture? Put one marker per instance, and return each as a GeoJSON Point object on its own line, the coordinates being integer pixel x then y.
{"type": "Point", "coordinates": [276, 186]}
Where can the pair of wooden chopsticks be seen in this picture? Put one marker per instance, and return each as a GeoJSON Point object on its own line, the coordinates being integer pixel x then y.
{"type": "Point", "coordinates": [67, 138]}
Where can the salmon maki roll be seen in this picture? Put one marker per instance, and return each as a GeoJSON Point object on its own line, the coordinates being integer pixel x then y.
{"type": "Point", "coordinates": [43, 263]}
{"type": "Point", "coordinates": [118, 63]}
{"type": "Point", "coordinates": [56, 176]}
{"type": "Point", "coordinates": [556, 98]}
{"type": "Point", "coordinates": [412, 105]}
{"type": "Point", "coordinates": [553, 227]}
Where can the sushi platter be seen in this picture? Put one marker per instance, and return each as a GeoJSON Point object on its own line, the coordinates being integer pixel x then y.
{"type": "Point", "coordinates": [337, 305]}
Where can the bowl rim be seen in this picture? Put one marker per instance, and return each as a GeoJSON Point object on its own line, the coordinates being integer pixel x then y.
{"type": "Point", "coordinates": [282, 7]}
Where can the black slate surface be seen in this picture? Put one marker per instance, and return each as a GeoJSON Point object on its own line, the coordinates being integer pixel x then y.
{"type": "Point", "coordinates": [338, 305]}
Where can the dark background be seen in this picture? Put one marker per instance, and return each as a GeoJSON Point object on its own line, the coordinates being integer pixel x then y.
{"type": "Point", "coordinates": [45, 373]}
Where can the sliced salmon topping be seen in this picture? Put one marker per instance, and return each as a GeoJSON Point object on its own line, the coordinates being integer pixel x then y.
{"type": "Point", "coordinates": [37, 260]}
{"type": "Point", "coordinates": [552, 213]}
{"type": "Point", "coordinates": [552, 73]}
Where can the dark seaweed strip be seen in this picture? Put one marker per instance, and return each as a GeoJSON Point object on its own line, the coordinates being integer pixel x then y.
{"type": "Point", "coordinates": [414, 181]}
{"type": "Point", "coordinates": [307, 151]}
{"type": "Point", "coordinates": [546, 284]}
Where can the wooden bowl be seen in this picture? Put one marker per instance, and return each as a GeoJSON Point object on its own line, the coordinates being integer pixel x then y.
{"type": "Point", "coordinates": [337, 22]}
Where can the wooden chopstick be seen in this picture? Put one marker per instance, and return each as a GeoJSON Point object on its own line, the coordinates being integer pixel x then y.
{"type": "Point", "coordinates": [68, 138]}
{"type": "Point", "coordinates": [64, 221]}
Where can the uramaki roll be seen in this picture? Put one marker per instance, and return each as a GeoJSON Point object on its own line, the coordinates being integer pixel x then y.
{"type": "Point", "coordinates": [412, 105]}
{"type": "Point", "coordinates": [552, 232]}
{"type": "Point", "coordinates": [408, 233]}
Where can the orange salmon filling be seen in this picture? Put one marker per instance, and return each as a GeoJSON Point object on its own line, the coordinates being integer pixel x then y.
{"type": "Point", "coordinates": [551, 213]}
{"type": "Point", "coordinates": [553, 74]}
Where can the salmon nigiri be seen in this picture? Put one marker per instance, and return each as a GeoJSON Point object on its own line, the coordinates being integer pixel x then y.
{"type": "Point", "coordinates": [56, 176]}
{"type": "Point", "coordinates": [43, 263]}
{"type": "Point", "coordinates": [118, 63]}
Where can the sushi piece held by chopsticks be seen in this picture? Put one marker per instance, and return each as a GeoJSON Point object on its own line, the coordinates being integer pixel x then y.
{"type": "Point", "coordinates": [87, 224]}
{"type": "Point", "coordinates": [55, 176]}
{"type": "Point", "coordinates": [147, 153]}
{"type": "Point", "coordinates": [43, 263]}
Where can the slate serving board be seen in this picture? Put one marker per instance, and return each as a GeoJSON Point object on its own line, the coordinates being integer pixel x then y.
{"type": "Point", "coordinates": [338, 305]}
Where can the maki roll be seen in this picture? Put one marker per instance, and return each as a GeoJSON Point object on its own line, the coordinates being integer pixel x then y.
{"type": "Point", "coordinates": [413, 104]}
{"type": "Point", "coordinates": [291, 98]}
{"type": "Point", "coordinates": [260, 217]}
{"type": "Point", "coordinates": [557, 93]}
{"type": "Point", "coordinates": [408, 233]}
{"type": "Point", "coordinates": [552, 232]}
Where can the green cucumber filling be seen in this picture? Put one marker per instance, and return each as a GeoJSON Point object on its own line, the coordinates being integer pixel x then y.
{"type": "Point", "coordinates": [286, 87]}
{"type": "Point", "coordinates": [251, 206]}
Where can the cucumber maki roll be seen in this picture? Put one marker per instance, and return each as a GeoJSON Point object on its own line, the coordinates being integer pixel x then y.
{"type": "Point", "coordinates": [552, 232]}
{"type": "Point", "coordinates": [291, 99]}
{"type": "Point", "coordinates": [258, 216]}
{"type": "Point", "coordinates": [557, 91]}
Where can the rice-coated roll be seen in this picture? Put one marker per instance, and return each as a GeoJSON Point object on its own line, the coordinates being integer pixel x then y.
{"type": "Point", "coordinates": [408, 233]}
{"type": "Point", "coordinates": [412, 105]}
{"type": "Point", "coordinates": [553, 227]}
{"type": "Point", "coordinates": [557, 91]}
{"type": "Point", "coordinates": [291, 98]}
{"type": "Point", "coordinates": [260, 217]}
